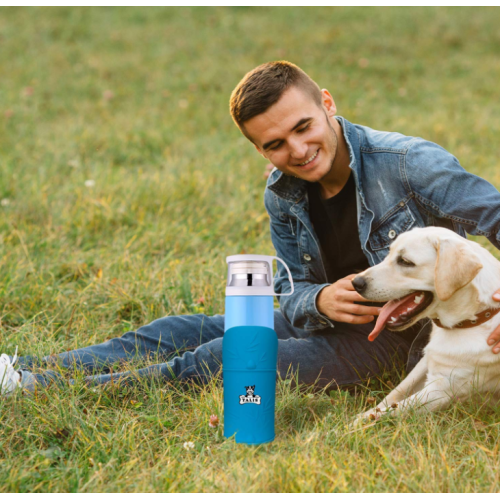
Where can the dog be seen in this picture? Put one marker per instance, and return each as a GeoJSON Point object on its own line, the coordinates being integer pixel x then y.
{"type": "Point", "coordinates": [250, 390]}
{"type": "Point", "coordinates": [435, 273]}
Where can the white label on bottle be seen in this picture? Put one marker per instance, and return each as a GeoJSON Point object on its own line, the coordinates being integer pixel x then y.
{"type": "Point", "coordinates": [250, 396]}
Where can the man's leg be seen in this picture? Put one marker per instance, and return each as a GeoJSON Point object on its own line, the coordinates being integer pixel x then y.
{"type": "Point", "coordinates": [161, 339]}
{"type": "Point", "coordinates": [199, 365]}
{"type": "Point", "coordinates": [341, 357]}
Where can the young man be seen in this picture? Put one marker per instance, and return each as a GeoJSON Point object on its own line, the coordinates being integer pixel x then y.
{"type": "Point", "coordinates": [337, 198]}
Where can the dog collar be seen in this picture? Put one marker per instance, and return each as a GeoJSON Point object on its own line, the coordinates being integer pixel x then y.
{"type": "Point", "coordinates": [481, 318]}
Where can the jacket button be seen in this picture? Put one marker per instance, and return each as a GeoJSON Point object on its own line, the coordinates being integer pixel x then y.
{"type": "Point", "coordinates": [401, 203]}
{"type": "Point", "coordinates": [307, 257]}
{"type": "Point", "coordinates": [392, 234]}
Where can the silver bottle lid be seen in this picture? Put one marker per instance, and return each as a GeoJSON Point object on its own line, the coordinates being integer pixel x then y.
{"type": "Point", "coordinates": [251, 274]}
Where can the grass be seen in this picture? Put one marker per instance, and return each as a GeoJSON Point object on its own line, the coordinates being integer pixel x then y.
{"type": "Point", "coordinates": [124, 184]}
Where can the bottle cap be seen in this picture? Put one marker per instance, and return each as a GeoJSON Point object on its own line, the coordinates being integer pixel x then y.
{"type": "Point", "coordinates": [250, 274]}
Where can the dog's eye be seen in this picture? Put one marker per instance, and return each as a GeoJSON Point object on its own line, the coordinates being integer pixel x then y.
{"type": "Point", "coordinates": [404, 262]}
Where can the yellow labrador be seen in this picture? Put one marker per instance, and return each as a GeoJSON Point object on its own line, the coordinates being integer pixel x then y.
{"type": "Point", "coordinates": [433, 272]}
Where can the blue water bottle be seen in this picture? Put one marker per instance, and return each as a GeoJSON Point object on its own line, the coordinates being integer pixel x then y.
{"type": "Point", "coordinates": [250, 348]}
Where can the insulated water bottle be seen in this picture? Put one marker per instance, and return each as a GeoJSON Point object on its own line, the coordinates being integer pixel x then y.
{"type": "Point", "coordinates": [250, 348]}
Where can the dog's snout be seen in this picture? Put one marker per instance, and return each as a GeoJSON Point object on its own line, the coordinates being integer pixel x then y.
{"type": "Point", "coordinates": [359, 283]}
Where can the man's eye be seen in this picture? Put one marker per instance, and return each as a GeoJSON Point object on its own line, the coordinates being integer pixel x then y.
{"type": "Point", "coordinates": [303, 129]}
{"type": "Point", "coordinates": [405, 262]}
{"type": "Point", "coordinates": [274, 147]}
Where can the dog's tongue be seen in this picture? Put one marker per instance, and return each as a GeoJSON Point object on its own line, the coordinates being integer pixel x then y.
{"type": "Point", "coordinates": [385, 313]}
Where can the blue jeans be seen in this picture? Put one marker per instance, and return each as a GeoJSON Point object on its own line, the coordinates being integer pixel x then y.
{"type": "Point", "coordinates": [190, 348]}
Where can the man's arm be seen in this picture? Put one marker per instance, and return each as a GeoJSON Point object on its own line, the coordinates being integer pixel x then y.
{"type": "Point", "coordinates": [312, 305]}
{"type": "Point", "coordinates": [444, 188]}
{"type": "Point", "coordinates": [300, 308]}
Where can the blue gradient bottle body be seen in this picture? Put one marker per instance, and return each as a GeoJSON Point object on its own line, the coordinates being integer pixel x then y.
{"type": "Point", "coordinates": [250, 349]}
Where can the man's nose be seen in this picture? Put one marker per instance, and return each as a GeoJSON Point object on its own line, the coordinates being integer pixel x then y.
{"type": "Point", "coordinates": [359, 283]}
{"type": "Point", "coordinates": [298, 150]}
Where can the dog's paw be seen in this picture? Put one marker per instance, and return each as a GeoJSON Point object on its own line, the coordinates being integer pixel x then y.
{"type": "Point", "coordinates": [366, 417]}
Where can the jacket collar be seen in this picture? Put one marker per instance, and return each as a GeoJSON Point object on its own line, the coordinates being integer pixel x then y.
{"type": "Point", "coordinates": [294, 189]}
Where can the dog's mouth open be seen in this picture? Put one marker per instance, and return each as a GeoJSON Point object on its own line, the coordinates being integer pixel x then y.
{"type": "Point", "coordinates": [400, 312]}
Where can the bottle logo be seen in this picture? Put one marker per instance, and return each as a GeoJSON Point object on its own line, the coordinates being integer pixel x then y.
{"type": "Point", "coordinates": [250, 396]}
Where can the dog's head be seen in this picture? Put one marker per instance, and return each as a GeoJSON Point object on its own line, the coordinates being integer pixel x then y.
{"type": "Point", "coordinates": [250, 389]}
{"type": "Point", "coordinates": [425, 269]}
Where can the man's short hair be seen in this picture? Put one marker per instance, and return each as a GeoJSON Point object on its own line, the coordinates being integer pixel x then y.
{"type": "Point", "coordinates": [263, 86]}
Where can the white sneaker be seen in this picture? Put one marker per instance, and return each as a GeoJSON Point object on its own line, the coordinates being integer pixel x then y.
{"type": "Point", "coordinates": [9, 378]}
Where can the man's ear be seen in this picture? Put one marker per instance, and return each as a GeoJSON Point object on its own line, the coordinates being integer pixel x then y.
{"type": "Point", "coordinates": [456, 266]}
{"type": "Point", "coordinates": [328, 103]}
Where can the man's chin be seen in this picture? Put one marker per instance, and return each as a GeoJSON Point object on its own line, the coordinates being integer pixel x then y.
{"type": "Point", "coordinates": [315, 174]}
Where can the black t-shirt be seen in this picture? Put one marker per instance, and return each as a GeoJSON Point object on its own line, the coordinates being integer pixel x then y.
{"type": "Point", "coordinates": [335, 222]}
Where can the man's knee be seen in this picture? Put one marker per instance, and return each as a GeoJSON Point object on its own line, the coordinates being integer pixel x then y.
{"type": "Point", "coordinates": [201, 365]}
{"type": "Point", "coordinates": [302, 359]}
{"type": "Point", "coordinates": [210, 353]}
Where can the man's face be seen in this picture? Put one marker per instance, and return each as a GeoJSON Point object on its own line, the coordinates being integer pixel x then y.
{"type": "Point", "coordinates": [296, 135]}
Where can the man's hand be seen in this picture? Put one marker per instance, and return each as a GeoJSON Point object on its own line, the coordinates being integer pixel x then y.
{"type": "Point", "coordinates": [495, 336]}
{"type": "Point", "coordinates": [337, 302]}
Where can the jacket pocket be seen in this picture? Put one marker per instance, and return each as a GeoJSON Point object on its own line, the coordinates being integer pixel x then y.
{"type": "Point", "coordinates": [390, 227]}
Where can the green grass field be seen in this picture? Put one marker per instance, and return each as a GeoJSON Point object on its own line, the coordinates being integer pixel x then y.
{"type": "Point", "coordinates": [123, 186]}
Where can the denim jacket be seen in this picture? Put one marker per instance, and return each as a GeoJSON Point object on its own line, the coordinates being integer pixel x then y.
{"type": "Point", "coordinates": [401, 183]}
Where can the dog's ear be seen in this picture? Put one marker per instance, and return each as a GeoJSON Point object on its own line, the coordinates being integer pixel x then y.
{"type": "Point", "coordinates": [456, 266]}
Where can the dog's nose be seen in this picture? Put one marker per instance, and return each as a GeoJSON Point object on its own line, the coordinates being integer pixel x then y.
{"type": "Point", "coordinates": [359, 283]}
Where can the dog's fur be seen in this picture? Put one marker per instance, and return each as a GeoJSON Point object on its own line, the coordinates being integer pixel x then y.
{"type": "Point", "coordinates": [462, 276]}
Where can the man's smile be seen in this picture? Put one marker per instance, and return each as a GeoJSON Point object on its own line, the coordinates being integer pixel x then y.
{"type": "Point", "coordinates": [309, 163]}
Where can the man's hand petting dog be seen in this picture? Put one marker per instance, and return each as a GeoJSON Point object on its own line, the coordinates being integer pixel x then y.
{"type": "Point", "coordinates": [338, 302]}
{"type": "Point", "coordinates": [494, 338]}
